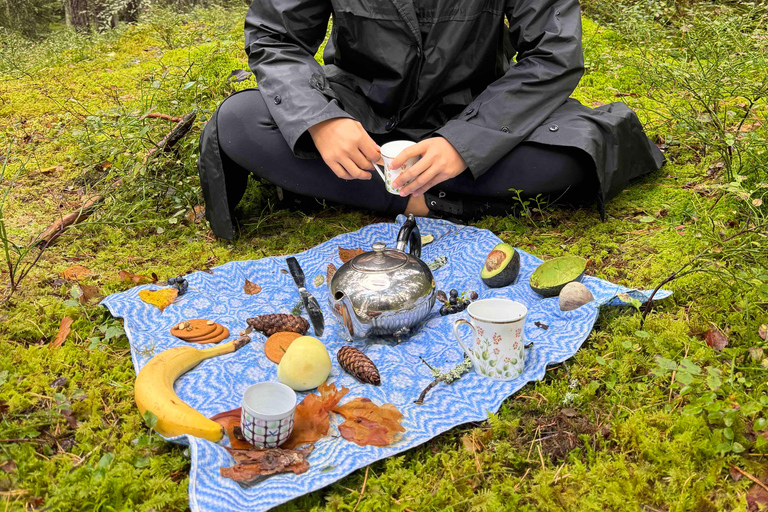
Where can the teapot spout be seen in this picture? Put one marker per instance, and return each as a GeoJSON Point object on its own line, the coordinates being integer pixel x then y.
{"type": "Point", "coordinates": [344, 309]}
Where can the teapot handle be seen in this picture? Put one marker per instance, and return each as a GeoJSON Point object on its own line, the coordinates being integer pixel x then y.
{"type": "Point", "coordinates": [409, 234]}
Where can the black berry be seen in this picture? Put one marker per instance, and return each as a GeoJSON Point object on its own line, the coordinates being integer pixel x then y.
{"type": "Point", "coordinates": [453, 301]}
{"type": "Point", "coordinates": [473, 295]}
{"type": "Point", "coordinates": [453, 309]}
{"type": "Point", "coordinates": [454, 293]}
{"type": "Point", "coordinates": [443, 311]}
{"type": "Point", "coordinates": [171, 281]}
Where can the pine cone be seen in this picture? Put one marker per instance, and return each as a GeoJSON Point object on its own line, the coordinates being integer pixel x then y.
{"type": "Point", "coordinates": [358, 365]}
{"type": "Point", "coordinates": [280, 322]}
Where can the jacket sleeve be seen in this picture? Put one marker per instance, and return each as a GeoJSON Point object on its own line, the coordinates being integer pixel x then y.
{"type": "Point", "coordinates": [281, 39]}
{"type": "Point", "coordinates": [549, 65]}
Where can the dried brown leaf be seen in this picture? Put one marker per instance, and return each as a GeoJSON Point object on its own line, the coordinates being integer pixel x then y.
{"type": "Point", "coordinates": [347, 254]}
{"type": "Point", "coordinates": [8, 466]}
{"type": "Point", "coordinates": [312, 418]}
{"type": "Point", "coordinates": [329, 273]}
{"type": "Point", "coordinates": [70, 417]}
{"type": "Point", "coordinates": [250, 288]}
{"type": "Point", "coordinates": [64, 328]}
{"type": "Point", "coordinates": [716, 339]}
{"type": "Point", "coordinates": [469, 444]}
{"type": "Point", "coordinates": [252, 465]}
{"type": "Point", "coordinates": [570, 413]}
{"type": "Point", "coordinates": [735, 474]}
{"type": "Point", "coordinates": [757, 497]}
{"type": "Point", "coordinates": [763, 331]}
{"type": "Point", "coordinates": [229, 420]}
{"type": "Point", "coordinates": [90, 294]}
{"type": "Point", "coordinates": [756, 353]}
{"type": "Point", "coordinates": [369, 424]}
{"type": "Point", "coordinates": [196, 214]}
{"type": "Point", "coordinates": [76, 273]}
{"type": "Point", "coordinates": [129, 277]}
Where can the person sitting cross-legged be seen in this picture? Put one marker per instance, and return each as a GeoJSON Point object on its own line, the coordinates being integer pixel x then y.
{"type": "Point", "coordinates": [481, 86]}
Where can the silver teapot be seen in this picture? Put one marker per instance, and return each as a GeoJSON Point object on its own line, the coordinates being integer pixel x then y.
{"type": "Point", "coordinates": [384, 291]}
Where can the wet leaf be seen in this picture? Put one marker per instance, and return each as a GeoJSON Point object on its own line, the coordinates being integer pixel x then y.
{"type": "Point", "coordinates": [76, 273]}
{"type": "Point", "coordinates": [239, 75]}
{"type": "Point", "coordinates": [347, 254]}
{"type": "Point", "coordinates": [229, 420]}
{"type": "Point", "coordinates": [161, 298]}
{"type": "Point", "coordinates": [369, 424]}
{"type": "Point", "coordinates": [716, 339]}
{"type": "Point", "coordinates": [64, 328]}
{"type": "Point", "coordinates": [252, 465]}
{"type": "Point", "coordinates": [129, 277]}
{"type": "Point", "coordinates": [251, 288]}
{"type": "Point", "coordinates": [763, 331]}
{"type": "Point", "coordinates": [312, 418]}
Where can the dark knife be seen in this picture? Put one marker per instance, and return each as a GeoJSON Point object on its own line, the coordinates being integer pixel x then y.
{"type": "Point", "coordinates": [310, 303]}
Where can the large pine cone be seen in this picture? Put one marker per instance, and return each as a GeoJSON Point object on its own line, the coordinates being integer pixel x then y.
{"type": "Point", "coordinates": [358, 365]}
{"type": "Point", "coordinates": [279, 322]}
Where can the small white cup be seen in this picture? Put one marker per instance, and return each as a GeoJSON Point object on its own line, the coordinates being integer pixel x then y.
{"type": "Point", "coordinates": [498, 326]}
{"type": "Point", "coordinates": [389, 151]}
{"type": "Point", "coordinates": [267, 416]}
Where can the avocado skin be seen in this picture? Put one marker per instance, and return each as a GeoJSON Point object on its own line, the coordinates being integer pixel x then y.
{"type": "Point", "coordinates": [507, 274]}
{"type": "Point", "coordinates": [554, 291]}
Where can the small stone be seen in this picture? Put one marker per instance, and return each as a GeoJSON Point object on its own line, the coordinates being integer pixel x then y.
{"type": "Point", "coordinates": [574, 295]}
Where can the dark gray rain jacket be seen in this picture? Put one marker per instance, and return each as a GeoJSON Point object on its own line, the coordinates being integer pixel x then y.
{"type": "Point", "coordinates": [418, 68]}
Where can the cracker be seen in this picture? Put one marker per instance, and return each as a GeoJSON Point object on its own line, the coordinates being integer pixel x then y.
{"type": "Point", "coordinates": [278, 343]}
{"type": "Point", "coordinates": [195, 328]}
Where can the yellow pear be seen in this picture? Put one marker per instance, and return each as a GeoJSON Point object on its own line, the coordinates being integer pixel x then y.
{"type": "Point", "coordinates": [305, 364]}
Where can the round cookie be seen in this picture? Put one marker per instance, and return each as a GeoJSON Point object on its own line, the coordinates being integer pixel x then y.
{"type": "Point", "coordinates": [224, 335]}
{"type": "Point", "coordinates": [198, 328]}
{"type": "Point", "coordinates": [218, 329]}
{"type": "Point", "coordinates": [277, 344]}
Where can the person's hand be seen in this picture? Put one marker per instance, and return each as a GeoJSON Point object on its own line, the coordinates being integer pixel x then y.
{"type": "Point", "coordinates": [345, 147]}
{"type": "Point", "coordinates": [439, 162]}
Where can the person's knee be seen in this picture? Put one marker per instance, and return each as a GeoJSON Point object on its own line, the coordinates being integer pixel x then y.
{"type": "Point", "coordinates": [239, 120]}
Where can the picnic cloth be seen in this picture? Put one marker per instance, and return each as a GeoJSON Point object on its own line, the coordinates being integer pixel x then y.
{"type": "Point", "coordinates": [218, 384]}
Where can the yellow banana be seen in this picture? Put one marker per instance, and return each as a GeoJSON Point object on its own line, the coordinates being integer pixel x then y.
{"type": "Point", "coordinates": [154, 390]}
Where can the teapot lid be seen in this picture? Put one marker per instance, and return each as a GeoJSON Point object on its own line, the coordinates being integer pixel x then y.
{"type": "Point", "coordinates": [380, 259]}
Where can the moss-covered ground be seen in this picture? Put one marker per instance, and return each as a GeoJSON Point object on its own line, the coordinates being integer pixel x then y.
{"type": "Point", "coordinates": [612, 429]}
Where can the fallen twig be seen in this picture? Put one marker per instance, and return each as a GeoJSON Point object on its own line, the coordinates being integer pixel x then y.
{"type": "Point", "coordinates": [448, 377]}
{"type": "Point", "coordinates": [758, 482]}
{"type": "Point", "coordinates": [56, 229]}
{"type": "Point", "coordinates": [365, 481]}
{"type": "Point", "coordinates": [155, 115]}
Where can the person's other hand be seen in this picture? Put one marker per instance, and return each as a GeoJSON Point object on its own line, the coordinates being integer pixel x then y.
{"type": "Point", "coordinates": [439, 162]}
{"type": "Point", "coordinates": [345, 147]}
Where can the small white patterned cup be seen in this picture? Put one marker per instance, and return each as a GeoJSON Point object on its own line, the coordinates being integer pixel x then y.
{"type": "Point", "coordinates": [267, 416]}
{"type": "Point", "coordinates": [388, 153]}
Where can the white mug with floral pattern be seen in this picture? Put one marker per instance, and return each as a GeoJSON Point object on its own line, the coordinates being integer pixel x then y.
{"type": "Point", "coordinates": [388, 153]}
{"type": "Point", "coordinates": [497, 325]}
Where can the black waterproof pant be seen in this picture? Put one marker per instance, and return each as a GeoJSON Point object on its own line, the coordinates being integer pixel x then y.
{"type": "Point", "coordinates": [251, 142]}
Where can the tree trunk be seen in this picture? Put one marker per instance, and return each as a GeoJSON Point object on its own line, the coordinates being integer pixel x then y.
{"type": "Point", "coordinates": [76, 12]}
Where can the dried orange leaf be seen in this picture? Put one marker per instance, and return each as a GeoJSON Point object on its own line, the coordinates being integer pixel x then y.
{"type": "Point", "coordinates": [129, 277]}
{"type": "Point", "coordinates": [348, 254]}
{"type": "Point", "coordinates": [161, 298]}
{"type": "Point", "coordinates": [369, 424]}
{"type": "Point", "coordinates": [251, 288]}
{"type": "Point", "coordinates": [312, 418]}
{"type": "Point", "coordinates": [330, 273]}
{"type": "Point", "coordinates": [90, 293]}
{"type": "Point", "coordinates": [229, 420]}
{"type": "Point", "coordinates": [76, 273]}
{"type": "Point", "coordinates": [64, 328]}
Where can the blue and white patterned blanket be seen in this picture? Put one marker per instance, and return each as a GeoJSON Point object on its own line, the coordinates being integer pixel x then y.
{"type": "Point", "coordinates": [217, 384]}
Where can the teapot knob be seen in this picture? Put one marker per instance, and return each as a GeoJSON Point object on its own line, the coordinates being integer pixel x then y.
{"type": "Point", "coordinates": [378, 246]}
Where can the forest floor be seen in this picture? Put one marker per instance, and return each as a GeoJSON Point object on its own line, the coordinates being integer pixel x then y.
{"type": "Point", "coordinates": [642, 418]}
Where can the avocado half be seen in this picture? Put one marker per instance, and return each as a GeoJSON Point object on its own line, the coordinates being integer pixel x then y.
{"type": "Point", "coordinates": [550, 277]}
{"type": "Point", "coordinates": [501, 266]}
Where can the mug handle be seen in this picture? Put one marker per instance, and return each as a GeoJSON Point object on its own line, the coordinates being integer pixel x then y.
{"type": "Point", "coordinates": [380, 171]}
{"type": "Point", "coordinates": [468, 352]}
